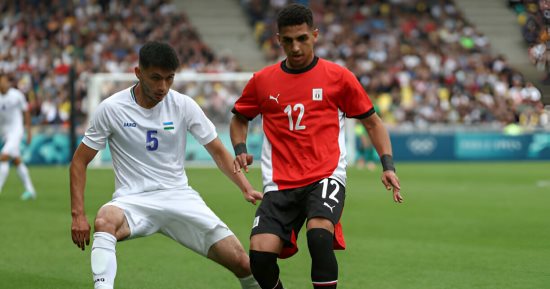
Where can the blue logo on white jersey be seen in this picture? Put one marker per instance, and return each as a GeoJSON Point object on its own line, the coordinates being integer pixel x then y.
{"type": "Point", "coordinates": [130, 124]}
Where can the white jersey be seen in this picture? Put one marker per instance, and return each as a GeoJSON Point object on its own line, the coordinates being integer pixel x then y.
{"type": "Point", "coordinates": [12, 106]}
{"type": "Point", "coordinates": [148, 145]}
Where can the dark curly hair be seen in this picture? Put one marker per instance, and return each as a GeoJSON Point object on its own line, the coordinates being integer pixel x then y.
{"type": "Point", "coordinates": [158, 54]}
{"type": "Point", "coordinates": [294, 14]}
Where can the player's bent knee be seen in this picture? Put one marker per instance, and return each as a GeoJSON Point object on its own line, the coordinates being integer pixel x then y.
{"type": "Point", "coordinates": [320, 223]}
{"type": "Point", "coordinates": [102, 224]}
{"type": "Point", "coordinates": [111, 219]}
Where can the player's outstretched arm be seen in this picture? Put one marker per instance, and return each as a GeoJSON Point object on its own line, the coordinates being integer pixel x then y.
{"type": "Point", "coordinates": [381, 141]}
{"type": "Point", "coordinates": [224, 161]}
{"type": "Point", "coordinates": [80, 227]}
{"type": "Point", "coordinates": [28, 122]}
{"type": "Point", "coordinates": [238, 130]}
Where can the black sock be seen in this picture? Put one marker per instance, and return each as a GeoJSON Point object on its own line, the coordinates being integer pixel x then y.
{"type": "Point", "coordinates": [265, 269]}
{"type": "Point", "coordinates": [324, 267]}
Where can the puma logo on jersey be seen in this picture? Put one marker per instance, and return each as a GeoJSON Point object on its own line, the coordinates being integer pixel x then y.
{"type": "Point", "coordinates": [328, 206]}
{"type": "Point", "coordinates": [276, 99]}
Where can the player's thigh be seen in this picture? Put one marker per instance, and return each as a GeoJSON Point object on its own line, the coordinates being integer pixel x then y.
{"type": "Point", "coordinates": [111, 219]}
{"type": "Point", "coordinates": [278, 220]}
{"type": "Point", "coordinates": [325, 203]}
{"type": "Point", "coordinates": [11, 148]}
{"type": "Point", "coordinates": [192, 223]}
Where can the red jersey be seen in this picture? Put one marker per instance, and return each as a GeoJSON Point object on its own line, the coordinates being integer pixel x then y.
{"type": "Point", "coordinates": [303, 120]}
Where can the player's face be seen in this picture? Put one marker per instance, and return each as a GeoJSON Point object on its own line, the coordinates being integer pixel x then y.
{"type": "Point", "coordinates": [154, 83]}
{"type": "Point", "coordinates": [297, 42]}
{"type": "Point", "coordinates": [4, 84]}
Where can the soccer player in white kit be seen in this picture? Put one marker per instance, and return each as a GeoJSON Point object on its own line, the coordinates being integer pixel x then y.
{"type": "Point", "coordinates": [146, 126]}
{"type": "Point", "coordinates": [13, 106]}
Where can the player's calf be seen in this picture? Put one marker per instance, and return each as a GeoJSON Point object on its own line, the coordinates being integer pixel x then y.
{"type": "Point", "coordinates": [104, 264]}
{"type": "Point", "coordinates": [265, 269]}
{"type": "Point", "coordinates": [324, 267]}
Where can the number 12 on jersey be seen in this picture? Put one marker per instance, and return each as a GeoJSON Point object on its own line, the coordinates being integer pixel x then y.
{"type": "Point", "coordinates": [288, 110]}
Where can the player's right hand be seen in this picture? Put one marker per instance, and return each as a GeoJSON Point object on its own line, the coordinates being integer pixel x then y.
{"type": "Point", "coordinates": [80, 231]}
{"type": "Point", "coordinates": [391, 182]}
{"type": "Point", "coordinates": [253, 196]}
{"type": "Point", "coordinates": [242, 161]}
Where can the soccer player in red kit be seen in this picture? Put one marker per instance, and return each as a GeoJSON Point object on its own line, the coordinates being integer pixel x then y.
{"type": "Point", "coordinates": [303, 101]}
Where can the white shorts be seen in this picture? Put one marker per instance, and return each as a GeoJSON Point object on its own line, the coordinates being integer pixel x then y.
{"type": "Point", "coordinates": [12, 143]}
{"type": "Point", "coordinates": [179, 214]}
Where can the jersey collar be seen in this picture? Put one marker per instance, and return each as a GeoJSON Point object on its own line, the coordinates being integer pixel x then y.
{"type": "Point", "coordinates": [301, 70]}
{"type": "Point", "coordinates": [133, 93]}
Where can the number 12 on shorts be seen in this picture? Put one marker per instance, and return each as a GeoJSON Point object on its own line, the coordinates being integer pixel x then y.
{"type": "Point", "coordinates": [332, 195]}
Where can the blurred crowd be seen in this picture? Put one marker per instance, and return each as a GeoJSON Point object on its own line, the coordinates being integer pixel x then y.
{"type": "Point", "coordinates": [534, 18]}
{"type": "Point", "coordinates": [420, 60]}
{"type": "Point", "coordinates": [41, 40]}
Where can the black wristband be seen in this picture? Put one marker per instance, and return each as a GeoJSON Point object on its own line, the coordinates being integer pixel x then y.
{"type": "Point", "coordinates": [387, 163]}
{"type": "Point", "coordinates": [240, 148]}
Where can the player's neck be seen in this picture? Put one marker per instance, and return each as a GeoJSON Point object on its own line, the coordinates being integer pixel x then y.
{"type": "Point", "coordinates": [140, 99]}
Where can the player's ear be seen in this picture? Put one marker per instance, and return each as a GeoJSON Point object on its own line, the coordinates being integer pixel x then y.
{"type": "Point", "coordinates": [315, 33]}
{"type": "Point", "coordinates": [137, 71]}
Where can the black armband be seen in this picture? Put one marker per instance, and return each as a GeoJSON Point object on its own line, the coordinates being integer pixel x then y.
{"type": "Point", "coordinates": [240, 148]}
{"type": "Point", "coordinates": [387, 163]}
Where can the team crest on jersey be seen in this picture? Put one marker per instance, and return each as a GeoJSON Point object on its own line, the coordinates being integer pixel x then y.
{"type": "Point", "coordinates": [317, 94]}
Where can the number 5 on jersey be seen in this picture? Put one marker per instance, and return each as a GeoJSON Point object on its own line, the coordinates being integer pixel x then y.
{"type": "Point", "coordinates": [152, 143]}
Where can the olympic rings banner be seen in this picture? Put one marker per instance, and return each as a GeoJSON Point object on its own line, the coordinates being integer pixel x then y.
{"type": "Point", "coordinates": [49, 148]}
{"type": "Point", "coordinates": [470, 146]}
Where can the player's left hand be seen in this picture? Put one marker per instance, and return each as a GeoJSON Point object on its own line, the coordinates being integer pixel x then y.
{"type": "Point", "coordinates": [80, 231]}
{"type": "Point", "coordinates": [253, 196]}
{"type": "Point", "coordinates": [242, 161]}
{"type": "Point", "coordinates": [391, 181]}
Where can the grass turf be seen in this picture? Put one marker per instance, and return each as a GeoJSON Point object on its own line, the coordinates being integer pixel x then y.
{"type": "Point", "coordinates": [463, 225]}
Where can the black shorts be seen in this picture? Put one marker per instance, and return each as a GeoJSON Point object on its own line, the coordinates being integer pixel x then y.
{"type": "Point", "coordinates": [283, 213]}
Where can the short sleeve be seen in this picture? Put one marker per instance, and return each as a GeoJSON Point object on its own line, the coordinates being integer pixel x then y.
{"type": "Point", "coordinates": [202, 129]}
{"type": "Point", "coordinates": [247, 105]}
{"type": "Point", "coordinates": [355, 102]}
{"type": "Point", "coordinates": [99, 130]}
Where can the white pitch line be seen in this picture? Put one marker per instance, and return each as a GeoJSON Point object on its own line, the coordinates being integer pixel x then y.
{"type": "Point", "coordinates": [543, 183]}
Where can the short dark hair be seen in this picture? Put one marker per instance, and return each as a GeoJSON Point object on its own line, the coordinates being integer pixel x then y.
{"type": "Point", "coordinates": [294, 14]}
{"type": "Point", "coordinates": [159, 55]}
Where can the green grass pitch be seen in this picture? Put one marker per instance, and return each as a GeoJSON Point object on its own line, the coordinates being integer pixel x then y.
{"type": "Point", "coordinates": [462, 226]}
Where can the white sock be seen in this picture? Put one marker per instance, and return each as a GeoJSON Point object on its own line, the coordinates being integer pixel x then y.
{"type": "Point", "coordinates": [4, 171]}
{"type": "Point", "coordinates": [249, 283]}
{"type": "Point", "coordinates": [23, 173]}
{"type": "Point", "coordinates": [104, 260]}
